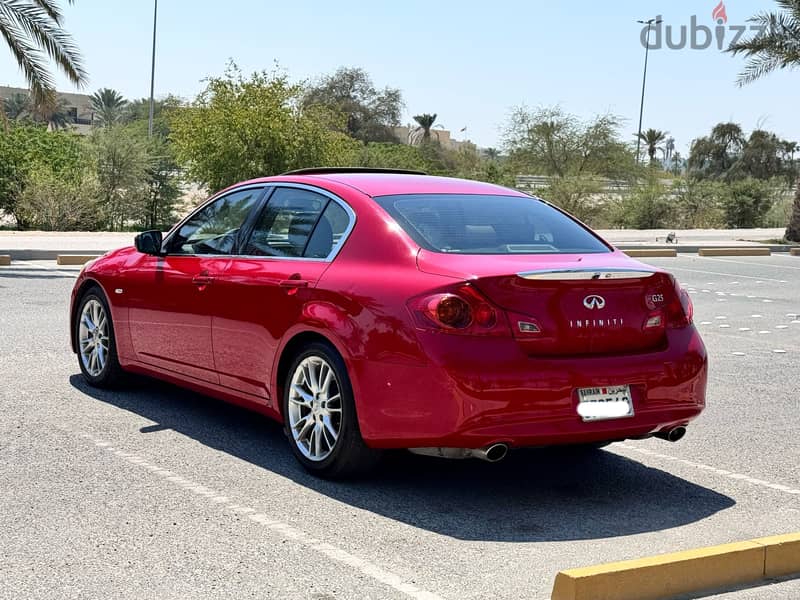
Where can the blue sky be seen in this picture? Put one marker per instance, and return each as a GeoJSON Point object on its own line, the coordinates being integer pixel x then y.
{"type": "Point", "coordinates": [470, 62]}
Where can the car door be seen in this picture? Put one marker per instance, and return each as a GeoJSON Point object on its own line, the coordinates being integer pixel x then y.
{"type": "Point", "coordinates": [172, 298]}
{"type": "Point", "coordinates": [293, 241]}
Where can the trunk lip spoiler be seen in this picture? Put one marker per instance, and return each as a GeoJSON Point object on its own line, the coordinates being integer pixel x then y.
{"type": "Point", "coordinates": [587, 273]}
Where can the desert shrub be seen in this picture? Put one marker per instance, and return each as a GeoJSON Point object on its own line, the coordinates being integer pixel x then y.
{"type": "Point", "coordinates": [699, 204]}
{"type": "Point", "coordinates": [52, 202]}
{"type": "Point", "coordinates": [648, 206]}
{"type": "Point", "coordinates": [747, 202]}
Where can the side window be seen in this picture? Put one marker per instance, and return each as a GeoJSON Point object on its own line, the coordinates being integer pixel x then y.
{"type": "Point", "coordinates": [285, 225]}
{"type": "Point", "coordinates": [329, 230]}
{"type": "Point", "coordinates": [214, 229]}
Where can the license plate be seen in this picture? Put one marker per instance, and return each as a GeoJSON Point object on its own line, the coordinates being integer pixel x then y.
{"type": "Point", "coordinates": [601, 403]}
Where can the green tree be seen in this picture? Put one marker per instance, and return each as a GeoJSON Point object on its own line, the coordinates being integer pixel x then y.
{"type": "Point", "coordinates": [748, 201]}
{"type": "Point", "coordinates": [371, 113]}
{"type": "Point", "coordinates": [648, 206]}
{"type": "Point", "coordinates": [393, 156]}
{"type": "Point", "coordinates": [17, 107]}
{"type": "Point", "coordinates": [52, 202]}
{"type": "Point", "coordinates": [108, 106]}
{"type": "Point", "coordinates": [239, 128]}
{"type": "Point", "coordinates": [715, 156]}
{"type": "Point", "coordinates": [775, 46]}
{"type": "Point", "coordinates": [26, 147]}
{"type": "Point", "coordinates": [548, 141]}
{"type": "Point", "coordinates": [652, 138]}
{"type": "Point", "coordinates": [121, 162]}
{"type": "Point", "coordinates": [422, 133]}
{"type": "Point", "coordinates": [32, 30]}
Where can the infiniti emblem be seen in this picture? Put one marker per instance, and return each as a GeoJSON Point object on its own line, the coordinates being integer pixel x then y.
{"type": "Point", "coordinates": [594, 302]}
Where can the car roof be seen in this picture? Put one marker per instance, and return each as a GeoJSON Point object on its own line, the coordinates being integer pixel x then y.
{"type": "Point", "coordinates": [386, 184]}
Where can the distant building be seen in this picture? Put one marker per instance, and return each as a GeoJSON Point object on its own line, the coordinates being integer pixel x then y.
{"type": "Point", "coordinates": [443, 136]}
{"type": "Point", "coordinates": [80, 113]}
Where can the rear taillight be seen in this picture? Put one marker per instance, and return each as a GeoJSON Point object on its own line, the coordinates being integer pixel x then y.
{"type": "Point", "coordinates": [669, 304]}
{"type": "Point", "coordinates": [463, 311]}
{"type": "Point", "coordinates": [679, 310]}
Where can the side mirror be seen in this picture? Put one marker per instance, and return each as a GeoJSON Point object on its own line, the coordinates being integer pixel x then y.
{"type": "Point", "coordinates": [148, 242]}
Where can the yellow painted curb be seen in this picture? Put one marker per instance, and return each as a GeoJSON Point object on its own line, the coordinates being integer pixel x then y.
{"type": "Point", "coordinates": [783, 554]}
{"type": "Point", "coordinates": [743, 251]}
{"type": "Point", "coordinates": [794, 251]}
{"type": "Point", "coordinates": [74, 259]}
{"type": "Point", "coordinates": [669, 575]}
{"type": "Point", "coordinates": [643, 253]}
{"type": "Point", "coordinates": [5, 260]}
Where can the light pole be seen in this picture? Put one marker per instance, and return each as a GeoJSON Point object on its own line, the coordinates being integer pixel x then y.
{"type": "Point", "coordinates": [649, 23]}
{"type": "Point", "coordinates": [153, 71]}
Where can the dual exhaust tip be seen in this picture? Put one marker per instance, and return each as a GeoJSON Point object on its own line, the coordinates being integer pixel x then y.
{"type": "Point", "coordinates": [497, 452]}
{"type": "Point", "coordinates": [492, 453]}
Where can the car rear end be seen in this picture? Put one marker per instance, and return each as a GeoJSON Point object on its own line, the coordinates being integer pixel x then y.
{"type": "Point", "coordinates": [544, 334]}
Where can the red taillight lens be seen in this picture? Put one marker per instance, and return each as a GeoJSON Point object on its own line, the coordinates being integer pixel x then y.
{"type": "Point", "coordinates": [463, 310]}
{"type": "Point", "coordinates": [450, 311]}
{"type": "Point", "coordinates": [680, 310]}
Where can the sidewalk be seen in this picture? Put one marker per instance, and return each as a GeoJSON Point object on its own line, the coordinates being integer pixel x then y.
{"type": "Point", "coordinates": [45, 245]}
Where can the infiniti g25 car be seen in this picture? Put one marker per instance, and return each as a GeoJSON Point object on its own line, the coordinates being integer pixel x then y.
{"type": "Point", "coordinates": [390, 310]}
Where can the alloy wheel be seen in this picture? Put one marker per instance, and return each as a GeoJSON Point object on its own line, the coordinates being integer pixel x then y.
{"type": "Point", "coordinates": [315, 408]}
{"type": "Point", "coordinates": [93, 339]}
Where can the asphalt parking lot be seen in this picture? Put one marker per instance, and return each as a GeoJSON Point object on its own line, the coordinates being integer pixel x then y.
{"type": "Point", "coordinates": [155, 492]}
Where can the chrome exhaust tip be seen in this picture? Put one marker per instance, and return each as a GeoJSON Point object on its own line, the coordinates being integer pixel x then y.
{"type": "Point", "coordinates": [672, 435]}
{"type": "Point", "coordinates": [493, 453]}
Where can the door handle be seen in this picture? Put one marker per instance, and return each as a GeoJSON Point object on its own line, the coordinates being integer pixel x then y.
{"type": "Point", "coordinates": [202, 279]}
{"type": "Point", "coordinates": [293, 283]}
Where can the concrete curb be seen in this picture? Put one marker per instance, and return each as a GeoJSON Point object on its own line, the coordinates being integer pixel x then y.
{"type": "Point", "coordinates": [669, 575]}
{"type": "Point", "coordinates": [651, 252]}
{"type": "Point", "coordinates": [694, 249]}
{"type": "Point", "coordinates": [74, 259]}
{"type": "Point", "coordinates": [734, 251]}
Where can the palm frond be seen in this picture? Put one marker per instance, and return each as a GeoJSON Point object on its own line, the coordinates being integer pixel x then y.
{"type": "Point", "coordinates": [32, 31]}
{"type": "Point", "coordinates": [775, 46]}
{"type": "Point", "coordinates": [28, 57]}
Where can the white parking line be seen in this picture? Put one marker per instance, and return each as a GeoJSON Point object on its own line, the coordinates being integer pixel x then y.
{"type": "Point", "coordinates": [722, 472]}
{"type": "Point", "coordinates": [740, 262]}
{"type": "Point", "coordinates": [364, 566]}
{"type": "Point", "coordinates": [762, 279]}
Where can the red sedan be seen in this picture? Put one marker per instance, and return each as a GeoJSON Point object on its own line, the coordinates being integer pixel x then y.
{"type": "Point", "coordinates": [375, 310]}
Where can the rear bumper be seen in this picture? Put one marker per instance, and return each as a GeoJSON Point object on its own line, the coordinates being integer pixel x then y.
{"type": "Point", "coordinates": [476, 392]}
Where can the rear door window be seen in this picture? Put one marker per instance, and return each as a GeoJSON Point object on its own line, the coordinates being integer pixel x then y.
{"type": "Point", "coordinates": [482, 224]}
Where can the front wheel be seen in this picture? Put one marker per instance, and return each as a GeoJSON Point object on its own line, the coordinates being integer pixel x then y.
{"type": "Point", "coordinates": [94, 336]}
{"type": "Point", "coordinates": [320, 416]}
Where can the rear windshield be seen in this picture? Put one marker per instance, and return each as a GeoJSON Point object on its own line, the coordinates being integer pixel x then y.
{"type": "Point", "coordinates": [478, 224]}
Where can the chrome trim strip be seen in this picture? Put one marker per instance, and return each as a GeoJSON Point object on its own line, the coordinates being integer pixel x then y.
{"type": "Point", "coordinates": [585, 273]}
{"type": "Point", "coordinates": [321, 191]}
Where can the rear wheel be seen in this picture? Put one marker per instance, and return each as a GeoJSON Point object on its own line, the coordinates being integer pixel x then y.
{"type": "Point", "coordinates": [94, 337]}
{"type": "Point", "coordinates": [320, 417]}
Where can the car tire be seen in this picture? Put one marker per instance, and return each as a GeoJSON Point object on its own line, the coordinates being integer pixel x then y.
{"type": "Point", "coordinates": [320, 416]}
{"type": "Point", "coordinates": [95, 341]}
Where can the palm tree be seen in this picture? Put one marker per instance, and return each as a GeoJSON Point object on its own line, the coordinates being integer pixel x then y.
{"type": "Point", "coordinates": [652, 138]}
{"type": "Point", "coordinates": [32, 30]}
{"type": "Point", "coordinates": [423, 132]}
{"type": "Point", "coordinates": [492, 153]}
{"type": "Point", "coordinates": [55, 114]}
{"type": "Point", "coordinates": [776, 45]}
{"type": "Point", "coordinates": [108, 105]}
{"type": "Point", "coordinates": [17, 106]}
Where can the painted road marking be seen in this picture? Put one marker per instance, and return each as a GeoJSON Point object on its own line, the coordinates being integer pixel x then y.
{"type": "Point", "coordinates": [758, 279]}
{"type": "Point", "coordinates": [722, 472]}
{"type": "Point", "coordinates": [364, 566]}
